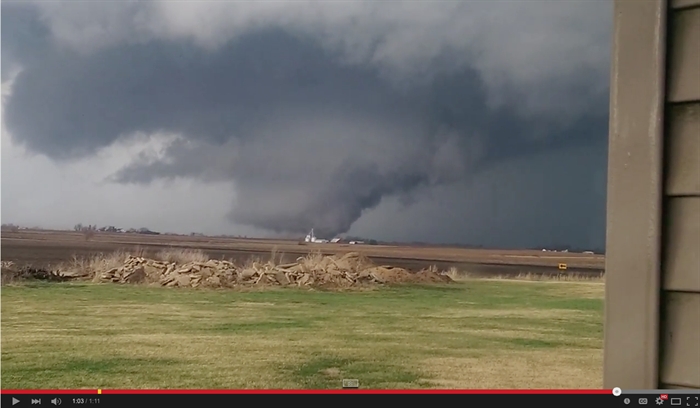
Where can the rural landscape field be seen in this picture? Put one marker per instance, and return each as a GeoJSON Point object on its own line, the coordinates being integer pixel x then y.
{"type": "Point", "coordinates": [134, 311]}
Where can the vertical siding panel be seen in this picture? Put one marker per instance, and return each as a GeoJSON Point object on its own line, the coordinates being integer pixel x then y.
{"type": "Point", "coordinates": [684, 3]}
{"type": "Point", "coordinates": [684, 56]}
{"type": "Point", "coordinates": [635, 185]}
{"type": "Point", "coordinates": [683, 150]}
{"type": "Point", "coordinates": [681, 269]}
{"type": "Point", "coordinates": [680, 364]}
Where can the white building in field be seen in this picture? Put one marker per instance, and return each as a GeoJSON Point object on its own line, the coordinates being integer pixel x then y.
{"type": "Point", "coordinates": [311, 238]}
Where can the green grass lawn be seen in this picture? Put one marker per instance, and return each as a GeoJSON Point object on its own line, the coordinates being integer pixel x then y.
{"type": "Point", "coordinates": [474, 334]}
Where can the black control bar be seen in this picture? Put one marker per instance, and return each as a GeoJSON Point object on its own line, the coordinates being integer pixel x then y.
{"type": "Point", "coordinates": [356, 397]}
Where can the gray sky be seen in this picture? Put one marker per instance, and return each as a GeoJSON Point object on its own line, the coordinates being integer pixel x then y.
{"type": "Point", "coordinates": [473, 122]}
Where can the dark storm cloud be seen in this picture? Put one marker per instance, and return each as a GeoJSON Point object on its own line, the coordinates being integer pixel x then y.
{"type": "Point", "coordinates": [311, 134]}
{"type": "Point", "coordinates": [24, 38]}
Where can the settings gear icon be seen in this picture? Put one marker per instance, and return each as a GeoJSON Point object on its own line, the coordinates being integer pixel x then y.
{"type": "Point", "coordinates": [659, 401]}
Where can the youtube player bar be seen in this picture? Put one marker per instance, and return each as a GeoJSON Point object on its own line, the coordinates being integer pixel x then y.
{"type": "Point", "coordinates": [224, 398]}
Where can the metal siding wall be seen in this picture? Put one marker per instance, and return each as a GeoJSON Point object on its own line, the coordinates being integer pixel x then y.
{"type": "Point", "coordinates": [680, 315]}
{"type": "Point", "coordinates": [676, 4]}
{"type": "Point", "coordinates": [683, 147]}
{"type": "Point", "coordinates": [680, 357]}
{"type": "Point", "coordinates": [684, 55]}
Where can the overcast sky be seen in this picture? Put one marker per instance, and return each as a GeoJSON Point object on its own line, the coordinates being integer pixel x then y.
{"type": "Point", "coordinates": [473, 122]}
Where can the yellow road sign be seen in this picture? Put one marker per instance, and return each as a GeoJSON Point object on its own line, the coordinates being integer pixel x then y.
{"type": "Point", "coordinates": [562, 266]}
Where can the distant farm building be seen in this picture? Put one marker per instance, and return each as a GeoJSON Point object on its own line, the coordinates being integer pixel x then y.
{"type": "Point", "coordinates": [311, 238]}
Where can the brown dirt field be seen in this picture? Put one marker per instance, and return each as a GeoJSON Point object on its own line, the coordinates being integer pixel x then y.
{"type": "Point", "coordinates": [46, 248]}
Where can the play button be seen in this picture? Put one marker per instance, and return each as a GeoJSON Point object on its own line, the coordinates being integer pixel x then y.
{"type": "Point", "coordinates": [14, 401]}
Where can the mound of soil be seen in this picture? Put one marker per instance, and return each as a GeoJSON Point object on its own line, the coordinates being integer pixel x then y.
{"type": "Point", "coordinates": [10, 274]}
{"type": "Point", "coordinates": [348, 270]}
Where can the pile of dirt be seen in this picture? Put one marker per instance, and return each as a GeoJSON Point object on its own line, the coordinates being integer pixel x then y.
{"type": "Point", "coordinates": [10, 273]}
{"type": "Point", "coordinates": [333, 271]}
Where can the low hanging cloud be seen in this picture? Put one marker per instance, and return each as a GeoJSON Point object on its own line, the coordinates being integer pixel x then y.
{"type": "Point", "coordinates": [315, 111]}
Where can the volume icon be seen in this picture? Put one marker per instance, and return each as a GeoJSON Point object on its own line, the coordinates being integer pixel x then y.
{"type": "Point", "coordinates": [56, 401]}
